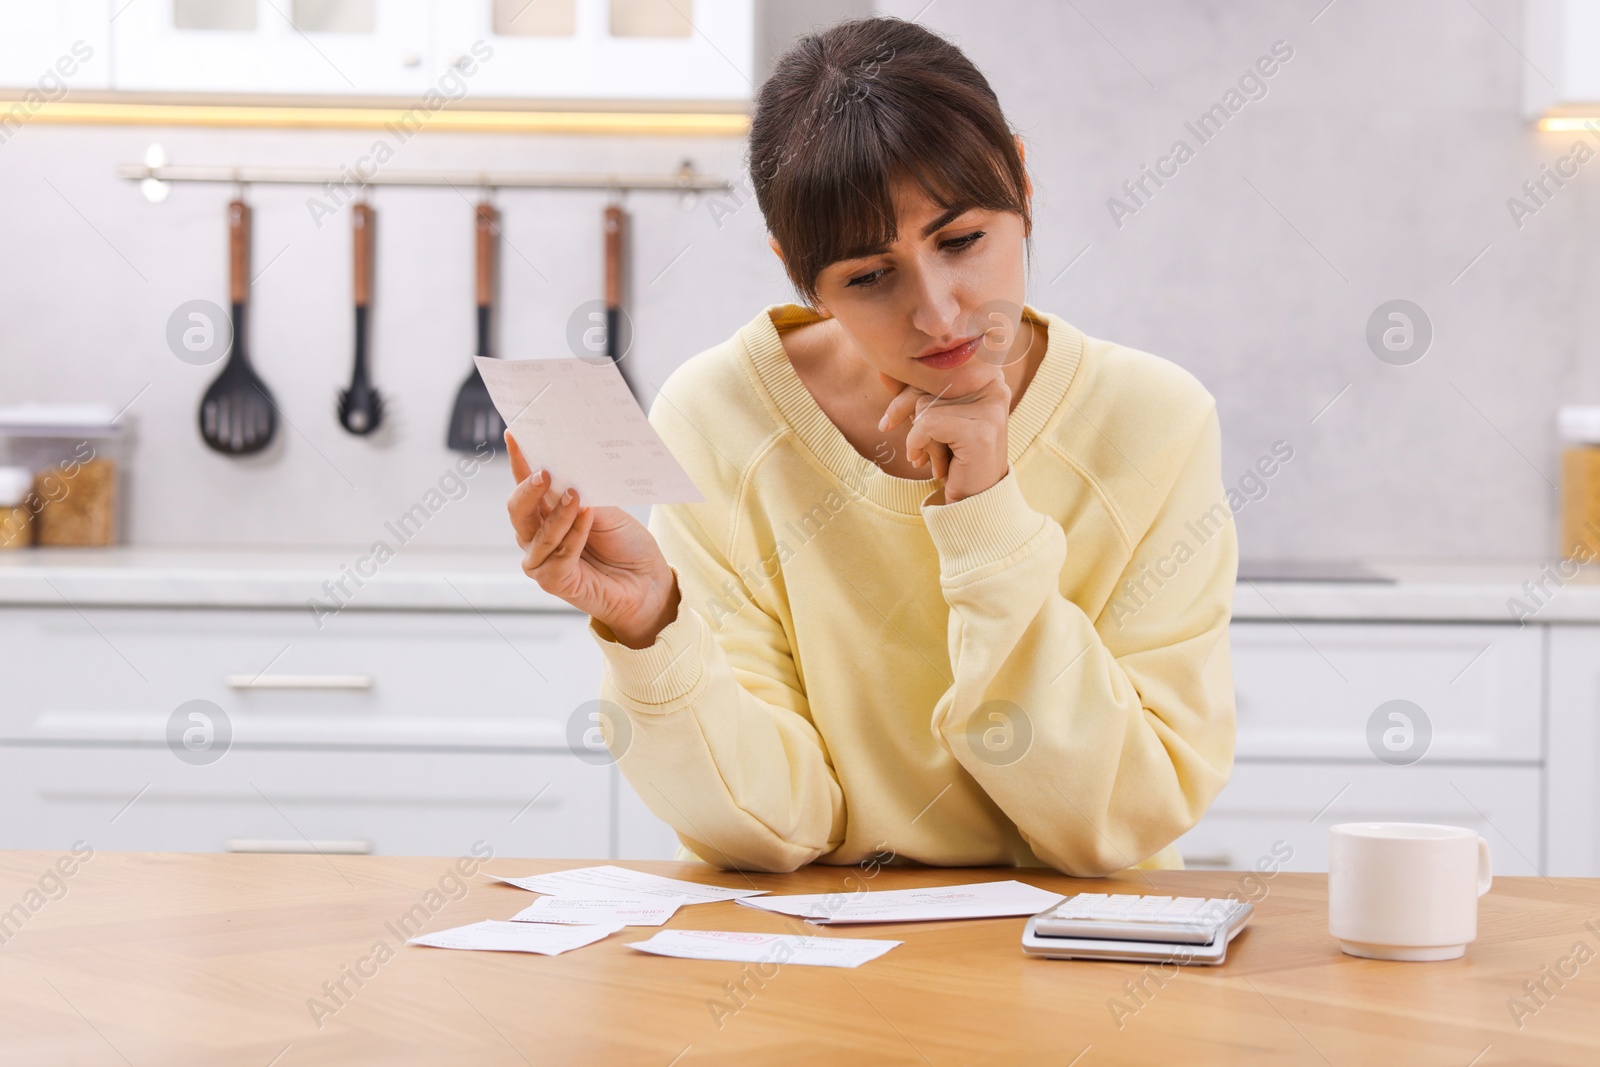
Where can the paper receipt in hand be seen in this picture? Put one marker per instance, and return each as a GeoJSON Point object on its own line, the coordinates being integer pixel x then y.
{"type": "Point", "coordinates": [580, 421]}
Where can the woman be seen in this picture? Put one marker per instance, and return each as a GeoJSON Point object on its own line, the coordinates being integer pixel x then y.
{"type": "Point", "coordinates": [960, 585]}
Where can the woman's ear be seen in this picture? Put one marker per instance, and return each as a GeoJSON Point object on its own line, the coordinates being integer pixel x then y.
{"type": "Point", "coordinates": [817, 305]}
{"type": "Point", "coordinates": [1027, 182]}
{"type": "Point", "coordinates": [1022, 154]}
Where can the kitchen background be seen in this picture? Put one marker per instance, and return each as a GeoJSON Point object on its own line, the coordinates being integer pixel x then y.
{"type": "Point", "coordinates": [1394, 153]}
{"type": "Point", "coordinates": [1377, 166]}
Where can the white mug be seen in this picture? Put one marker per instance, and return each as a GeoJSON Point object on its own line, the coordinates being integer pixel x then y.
{"type": "Point", "coordinates": [1405, 890]}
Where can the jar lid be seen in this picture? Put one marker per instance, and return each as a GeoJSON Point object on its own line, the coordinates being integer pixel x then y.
{"type": "Point", "coordinates": [1579, 424]}
{"type": "Point", "coordinates": [15, 483]}
{"type": "Point", "coordinates": [60, 420]}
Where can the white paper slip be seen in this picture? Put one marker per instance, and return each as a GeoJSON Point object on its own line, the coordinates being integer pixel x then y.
{"type": "Point", "coordinates": [980, 900]}
{"type": "Point", "coordinates": [600, 911]}
{"type": "Point", "coordinates": [579, 420]}
{"type": "Point", "coordinates": [494, 935]}
{"type": "Point", "coordinates": [764, 948]}
{"type": "Point", "coordinates": [612, 881]}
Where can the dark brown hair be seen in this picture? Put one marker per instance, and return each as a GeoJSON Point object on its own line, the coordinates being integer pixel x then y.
{"type": "Point", "coordinates": [854, 108]}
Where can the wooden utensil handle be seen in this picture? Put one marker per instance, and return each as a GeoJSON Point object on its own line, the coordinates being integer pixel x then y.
{"type": "Point", "coordinates": [238, 251]}
{"type": "Point", "coordinates": [361, 220]}
{"type": "Point", "coordinates": [487, 220]}
{"type": "Point", "coordinates": [613, 232]}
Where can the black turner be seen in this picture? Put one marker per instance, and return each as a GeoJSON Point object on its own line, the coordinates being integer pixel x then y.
{"type": "Point", "coordinates": [474, 422]}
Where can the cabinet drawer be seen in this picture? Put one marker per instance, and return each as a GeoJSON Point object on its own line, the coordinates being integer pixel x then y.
{"type": "Point", "coordinates": [1265, 803]}
{"type": "Point", "coordinates": [1311, 689]}
{"type": "Point", "coordinates": [450, 679]}
{"type": "Point", "coordinates": [396, 803]}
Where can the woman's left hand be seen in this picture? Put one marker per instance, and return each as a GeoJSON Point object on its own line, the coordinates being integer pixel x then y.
{"type": "Point", "coordinates": [964, 437]}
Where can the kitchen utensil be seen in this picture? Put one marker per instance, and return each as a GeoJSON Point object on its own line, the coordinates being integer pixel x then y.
{"type": "Point", "coordinates": [237, 414]}
{"type": "Point", "coordinates": [474, 422]}
{"type": "Point", "coordinates": [1579, 430]}
{"type": "Point", "coordinates": [616, 338]}
{"type": "Point", "coordinates": [360, 406]}
{"type": "Point", "coordinates": [16, 517]}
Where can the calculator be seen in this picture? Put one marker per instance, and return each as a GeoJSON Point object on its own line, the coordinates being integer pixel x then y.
{"type": "Point", "coordinates": [1136, 929]}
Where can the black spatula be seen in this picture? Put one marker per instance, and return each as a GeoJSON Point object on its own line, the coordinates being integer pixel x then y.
{"type": "Point", "coordinates": [474, 422]}
{"type": "Point", "coordinates": [237, 414]}
{"type": "Point", "coordinates": [360, 406]}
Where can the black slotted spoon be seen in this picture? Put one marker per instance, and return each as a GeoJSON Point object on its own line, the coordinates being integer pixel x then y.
{"type": "Point", "coordinates": [237, 413]}
{"type": "Point", "coordinates": [474, 422]}
{"type": "Point", "coordinates": [361, 406]}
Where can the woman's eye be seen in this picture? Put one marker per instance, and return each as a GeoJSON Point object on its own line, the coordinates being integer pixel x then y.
{"type": "Point", "coordinates": [865, 281]}
{"type": "Point", "coordinates": [960, 244]}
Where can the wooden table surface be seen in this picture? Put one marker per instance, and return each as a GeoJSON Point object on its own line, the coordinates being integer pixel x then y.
{"type": "Point", "coordinates": [171, 959]}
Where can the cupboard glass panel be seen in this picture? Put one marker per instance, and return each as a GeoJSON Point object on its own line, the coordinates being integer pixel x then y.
{"type": "Point", "coordinates": [335, 16]}
{"type": "Point", "coordinates": [535, 18]}
{"type": "Point", "coordinates": [214, 14]}
{"type": "Point", "coordinates": [651, 18]}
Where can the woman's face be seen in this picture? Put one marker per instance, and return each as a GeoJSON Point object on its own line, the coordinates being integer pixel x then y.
{"type": "Point", "coordinates": [947, 282]}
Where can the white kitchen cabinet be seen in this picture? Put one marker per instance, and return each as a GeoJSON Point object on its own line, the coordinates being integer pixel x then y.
{"type": "Point", "coordinates": [142, 798]}
{"type": "Point", "coordinates": [274, 55]}
{"type": "Point", "coordinates": [1265, 803]}
{"type": "Point", "coordinates": [54, 47]}
{"type": "Point", "coordinates": [1573, 792]}
{"type": "Point", "coordinates": [1308, 752]}
{"type": "Point", "coordinates": [1561, 46]}
{"type": "Point", "coordinates": [1310, 689]}
{"type": "Point", "coordinates": [435, 679]}
{"type": "Point", "coordinates": [441, 51]}
{"type": "Point", "coordinates": [418, 732]}
{"type": "Point", "coordinates": [708, 56]}
{"type": "Point", "coordinates": [419, 724]}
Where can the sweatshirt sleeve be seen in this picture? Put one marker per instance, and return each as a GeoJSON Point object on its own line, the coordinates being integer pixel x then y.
{"type": "Point", "coordinates": [718, 739]}
{"type": "Point", "coordinates": [1104, 739]}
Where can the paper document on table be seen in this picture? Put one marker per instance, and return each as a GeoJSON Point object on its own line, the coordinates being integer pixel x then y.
{"type": "Point", "coordinates": [608, 880]}
{"type": "Point", "coordinates": [600, 911]}
{"type": "Point", "coordinates": [979, 900]}
{"type": "Point", "coordinates": [580, 421]}
{"type": "Point", "coordinates": [495, 935]}
{"type": "Point", "coordinates": [764, 948]}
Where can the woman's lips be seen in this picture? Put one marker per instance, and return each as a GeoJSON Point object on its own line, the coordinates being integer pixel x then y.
{"type": "Point", "coordinates": [952, 357]}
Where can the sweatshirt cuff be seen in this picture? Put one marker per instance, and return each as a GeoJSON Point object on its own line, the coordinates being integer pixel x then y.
{"type": "Point", "coordinates": [661, 673]}
{"type": "Point", "coordinates": [981, 529]}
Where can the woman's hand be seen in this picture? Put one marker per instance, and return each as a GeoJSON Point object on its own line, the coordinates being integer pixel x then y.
{"type": "Point", "coordinates": [964, 437]}
{"type": "Point", "coordinates": [600, 560]}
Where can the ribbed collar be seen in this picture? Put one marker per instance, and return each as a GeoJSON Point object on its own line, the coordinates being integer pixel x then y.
{"type": "Point", "coordinates": [1040, 400]}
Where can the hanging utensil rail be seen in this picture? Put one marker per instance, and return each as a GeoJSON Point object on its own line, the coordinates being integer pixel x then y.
{"type": "Point", "coordinates": [684, 179]}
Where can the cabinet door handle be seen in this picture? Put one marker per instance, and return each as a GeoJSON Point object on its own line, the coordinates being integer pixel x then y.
{"type": "Point", "coordinates": [299, 681]}
{"type": "Point", "coordinates": [267, 844]}
{"type": "Point", "coordinates": [1222, 860]}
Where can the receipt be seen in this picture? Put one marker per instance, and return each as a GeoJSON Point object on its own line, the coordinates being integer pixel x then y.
{"type": "Point", "coordinates": [979, 900]}
{"type": "Point", "coordinates": [609, 880]}
{"type": "Point", "coordinates": [580, 421]}
{"type": "Point", "coordinates": [495, 935]}
{"type": "Point", "coordinates": [764, 948]}
{"type": "Point", "coordinates": [599, 911]}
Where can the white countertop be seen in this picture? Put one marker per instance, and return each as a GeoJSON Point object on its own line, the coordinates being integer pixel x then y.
{"type": "Point", "coordinates": [492, 580]}
{"type": "Point", "coordinates": [266, 577]}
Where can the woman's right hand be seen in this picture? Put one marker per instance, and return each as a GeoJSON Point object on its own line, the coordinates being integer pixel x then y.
{"type": "Point", "coordinates": [600, 560]}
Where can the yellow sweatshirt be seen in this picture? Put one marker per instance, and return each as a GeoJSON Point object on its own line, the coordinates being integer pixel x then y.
{"type": "Point", "coordinates": [1035, 675]}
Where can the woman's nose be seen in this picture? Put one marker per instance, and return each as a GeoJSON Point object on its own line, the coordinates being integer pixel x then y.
{"type": "Point", "coordinates": [937, 311]}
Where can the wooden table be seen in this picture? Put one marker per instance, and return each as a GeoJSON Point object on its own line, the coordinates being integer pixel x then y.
{"type": "Point", "coordinates": [171, 959]}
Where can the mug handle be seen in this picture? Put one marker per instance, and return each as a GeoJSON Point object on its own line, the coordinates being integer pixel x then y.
{"type": "Point", "coordinates": [1485, 876]}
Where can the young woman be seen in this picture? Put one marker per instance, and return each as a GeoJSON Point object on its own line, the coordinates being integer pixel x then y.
{"type": "Point", "coordinates": [959, 589]}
